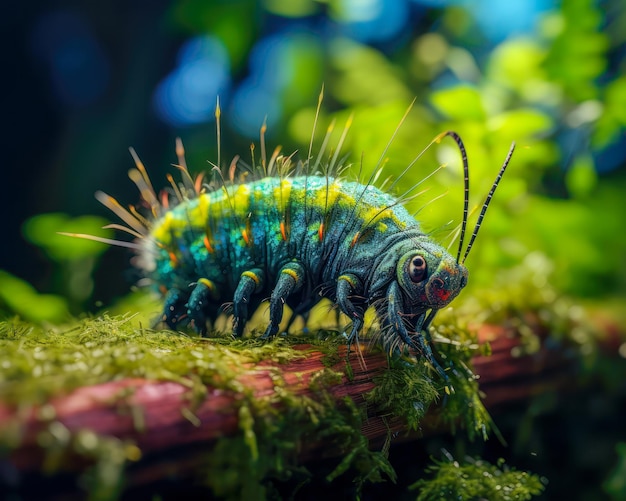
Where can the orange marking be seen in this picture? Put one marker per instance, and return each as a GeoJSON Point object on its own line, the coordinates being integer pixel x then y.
{"type": "Point", "coordinates": [246, 237]}
{"type": "Point", "coordinates": [320, 232]}
{"type": "Point", "coordinates": [355, 239]}
{"type": "Point", "coordinates": [173, 259]}
{"type": "Point", "coordinates": [246, 233]}
{"type": "Point", "coordinates": [207, 244]}
{"type": "Point", "coordinates": [283, 230]}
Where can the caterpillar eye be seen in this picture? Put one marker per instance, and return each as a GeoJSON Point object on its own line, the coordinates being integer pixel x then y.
{"type": "Point", "coordinates": [417, 269]}
{"type": "Point", "coordinates": [438, 283]}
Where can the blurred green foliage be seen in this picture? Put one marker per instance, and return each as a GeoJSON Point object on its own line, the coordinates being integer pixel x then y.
{"type": "Point", "coordinates": [19, 297]}
{"type": "Point", "coordinates": [44, 231]}
{"type": "Point", "coordinates": [75, 260]}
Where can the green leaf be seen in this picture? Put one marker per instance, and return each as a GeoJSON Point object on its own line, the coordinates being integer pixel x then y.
{"type": "Point", "coordinates": [516, 63]}
{"type": "Point", "coordinates": [459, 103]}
{"type": "Point", "coordinates": [20, 297]}
{"type": "Point", "coordinates": [581, 178]}
{"type": "Point", "coordinates": [521, 123]}
{"type": "Point", "coordinates": [43, 231]}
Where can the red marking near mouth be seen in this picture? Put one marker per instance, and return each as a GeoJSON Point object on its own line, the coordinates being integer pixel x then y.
{"type": "Point", "coordinates": [443, 294]}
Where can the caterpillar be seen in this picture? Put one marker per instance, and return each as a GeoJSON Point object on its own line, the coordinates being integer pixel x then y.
{"type": "Point", "coordinates": [292, 232]}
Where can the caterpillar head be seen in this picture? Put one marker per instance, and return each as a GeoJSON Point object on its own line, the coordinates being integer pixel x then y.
{"type": "Point", "coordinates": [430, 276]}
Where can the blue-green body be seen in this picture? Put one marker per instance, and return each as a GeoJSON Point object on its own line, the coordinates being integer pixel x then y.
{"type": "Point", "coordinates": [294, 241]}
{"type": "Point", "coordinates": [264, 245]}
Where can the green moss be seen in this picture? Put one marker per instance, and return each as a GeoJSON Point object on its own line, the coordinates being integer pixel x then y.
{"type": "Point", "coordinates": [254, 464]}
{"type": "Point", "coordinates": [462, 403]}
{"type": "Point", "coordinates": [406, 390]}
{"type": "Point", "coordinates": [477, 479]}
{"type": "Point", "coordinates": [39, 363]}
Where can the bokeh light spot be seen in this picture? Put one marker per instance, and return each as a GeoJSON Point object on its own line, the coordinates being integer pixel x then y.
{"type": "Point", "coordinates": [251, 106]}
{"type": "Point", "coordinates": [284, 71]}
{"type": "Point", "coordinates": [291, 8]}
{"type": "Point", "coordinates": [188, 94]}
{"type": "Point", "coordinates": [372, 20]}
{"type": "Point", "coordinates": [500, 20]}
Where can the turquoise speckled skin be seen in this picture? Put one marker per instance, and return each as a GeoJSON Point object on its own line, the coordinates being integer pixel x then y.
{"type": "Point", "coordinates": [294, 241]}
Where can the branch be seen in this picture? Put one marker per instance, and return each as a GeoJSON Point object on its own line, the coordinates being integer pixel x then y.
{"type": "Point", "coordinates": [158, 416]}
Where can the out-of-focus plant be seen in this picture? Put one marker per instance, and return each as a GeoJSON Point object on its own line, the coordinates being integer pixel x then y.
{"type": "Point", "coordinates": [75, 261]}
{"type": "Point", "coordinates": [18, 297]}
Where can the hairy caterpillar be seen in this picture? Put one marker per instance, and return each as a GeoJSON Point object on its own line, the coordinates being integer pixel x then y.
{"type": "Point", "coordinates": [294, 233]}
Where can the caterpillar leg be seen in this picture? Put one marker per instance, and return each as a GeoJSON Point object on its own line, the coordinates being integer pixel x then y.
{"type": "Point", "coordinates": [347, 285]}
{"type": "Point", "coordinates": [174, 310]}
{"type": "Point", "coordinates": [290, 280]}
{"type": "Point", "coordinates": [417, 342]}
{"type": "Point", "coordinates": [250, 282]}
{"type": "Point", "coordinates": [200, 299]}
{"type": "Point", "coordinates": [423, 323]}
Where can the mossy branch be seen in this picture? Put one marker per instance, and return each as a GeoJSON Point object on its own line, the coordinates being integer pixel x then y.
{"type": "Point", "coordinates": [255, 408]}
